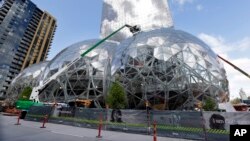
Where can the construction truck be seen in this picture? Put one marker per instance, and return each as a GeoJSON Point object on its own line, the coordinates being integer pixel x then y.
{"type": "Point", "coordinates": [19, 107]}
{"type": "Point", "coordinates": [24, 106]}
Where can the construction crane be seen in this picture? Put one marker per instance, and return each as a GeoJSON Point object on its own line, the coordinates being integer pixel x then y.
{"type": "Point", "coordinates": [37, 90]}
{"type": "Point", "coordinates": [235, 67]}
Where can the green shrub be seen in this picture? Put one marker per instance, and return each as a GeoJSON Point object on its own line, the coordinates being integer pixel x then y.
{"type": "Point", "coordinates": [210, 105]}
{"type": "Point", "coordinates": [25, 95]}
{"type": "Point", "coordinates": [116, 98]}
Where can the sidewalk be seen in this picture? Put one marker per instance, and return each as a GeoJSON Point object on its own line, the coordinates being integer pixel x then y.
{"type": "Point", "coordinates": [85, 132]}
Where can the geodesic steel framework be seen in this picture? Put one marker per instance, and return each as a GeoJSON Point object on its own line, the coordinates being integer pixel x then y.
{"type": "Point", "coordinates": [85, 79]}
{"type": "Point", "coordinates": [28, 77]}
{"type": "Point", "coordinates": [170, 69]}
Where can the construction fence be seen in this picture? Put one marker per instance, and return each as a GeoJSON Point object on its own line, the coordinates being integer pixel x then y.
{"type": "Point", "coordinates": [178, 124]}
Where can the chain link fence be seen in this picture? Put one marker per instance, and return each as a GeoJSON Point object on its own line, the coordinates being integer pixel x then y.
{"type": "Point", "coordinates": [208, 126]}
{"type": "Point", "coordinates": [80, 117]}
{"type": "Point", "coordinates": [134, 121]}
{"type": "Point", "coordinates": [37, 113]}
{"type": "Point", "coordinates": [179, 124]}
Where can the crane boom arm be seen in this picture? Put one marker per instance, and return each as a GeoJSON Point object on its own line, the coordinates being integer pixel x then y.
{"type": "Point", "coordinates": [235, 67]}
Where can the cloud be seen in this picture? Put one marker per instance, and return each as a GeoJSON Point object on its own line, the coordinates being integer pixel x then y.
{"type": "Point", "coordinates": [226, 49]}
{"type": "Point", "coordinates": [221, 46]}
{"type": "Point", "coordinates": [244, 44]}
{"type": "Point", "coordinates": [199, 7]}
{"type": "Point", "coordinates": [217, 43]}
{"type": "Point", "coordinates": [182, 2]}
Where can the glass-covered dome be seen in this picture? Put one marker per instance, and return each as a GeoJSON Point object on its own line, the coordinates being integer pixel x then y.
{"type": "Point", "coordinates": [84, 79]}
{"type": "Point", "coordinates": [169, 68]}
{"type": "Point", "coordinates": [28, 77]}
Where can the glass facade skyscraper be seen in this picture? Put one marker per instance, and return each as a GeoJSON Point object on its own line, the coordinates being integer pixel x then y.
{"type": "Point", "coordinates": [148, 14]}
{"type": "Point", "coordinates": [26, 33]}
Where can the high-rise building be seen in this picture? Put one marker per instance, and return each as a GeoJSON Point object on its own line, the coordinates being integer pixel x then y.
{"type": "Point", "coordinates": [26, 33]}
{"type": "Point", "coordinates": [39, 47]}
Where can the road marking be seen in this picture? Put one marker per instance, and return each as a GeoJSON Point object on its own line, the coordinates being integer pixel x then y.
{"type": "Point", "coordinates": [67, 134]}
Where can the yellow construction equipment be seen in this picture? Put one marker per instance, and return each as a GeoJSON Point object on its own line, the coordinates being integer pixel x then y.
{"type": "Point", "coordinates": [85, 102]}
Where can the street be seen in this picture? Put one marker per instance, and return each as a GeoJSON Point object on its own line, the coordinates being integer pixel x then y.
{"type": "Point", "coordinates": [11, 132]}
{"type": "Point", "coordinates": [31, 131]}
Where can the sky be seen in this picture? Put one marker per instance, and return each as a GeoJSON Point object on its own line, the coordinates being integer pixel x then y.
{"type": "Point", "coordinates": [223, 24]}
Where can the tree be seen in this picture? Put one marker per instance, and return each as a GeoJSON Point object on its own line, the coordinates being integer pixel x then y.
{"type": "Point", "coordinates": [116, 98]}
{"type": "Point", "coordinates": [210, 105]}
{"type": "Point", "coordinates": [25, 93]}
{"type": "Point", "coordinates": [236, 101]}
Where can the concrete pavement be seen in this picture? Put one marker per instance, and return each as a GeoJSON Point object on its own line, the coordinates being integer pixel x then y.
{"type": "Point", "coordinates": [31, 131]}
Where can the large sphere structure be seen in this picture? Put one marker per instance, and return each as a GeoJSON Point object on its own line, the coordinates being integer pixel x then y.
{"type": "Point", "coordinates": [85, 79]}
{"type": "Point", "coordinates": [170, 69]}
{"type": "Point", "coordinates": [29, 77]}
